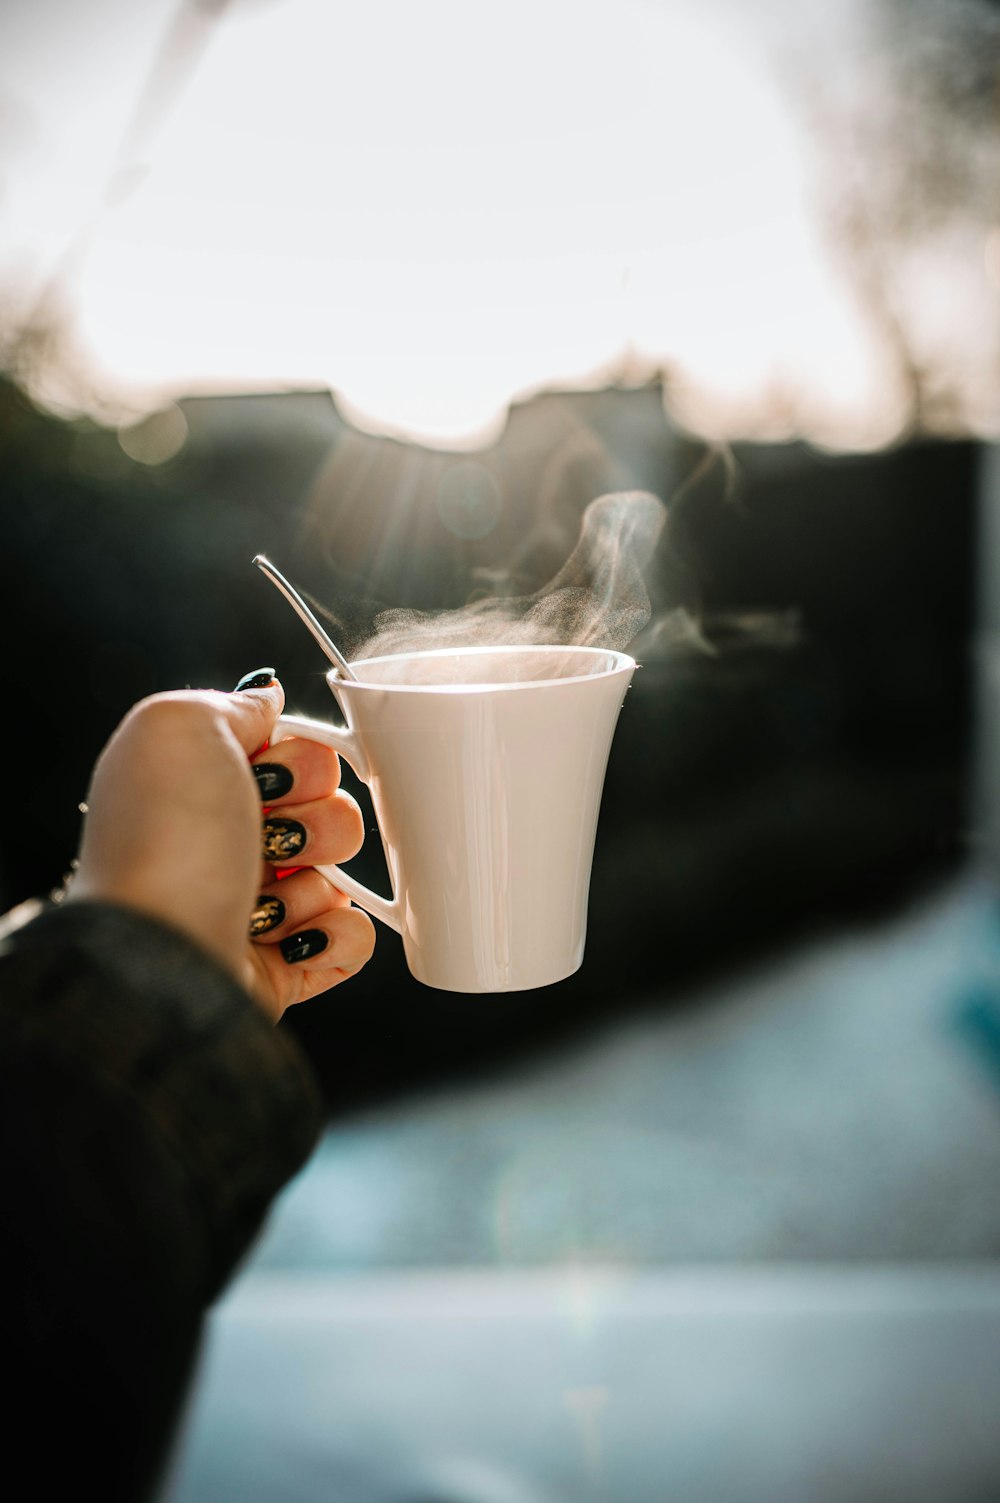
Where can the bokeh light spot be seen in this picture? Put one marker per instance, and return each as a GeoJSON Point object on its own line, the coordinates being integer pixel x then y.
{"type": "Point", "coordinates": [158, 438]}
{"type": "Point", "coordinates": [468, 501]}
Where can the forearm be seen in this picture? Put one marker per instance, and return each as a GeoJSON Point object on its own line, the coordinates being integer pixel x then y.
{"type": "Point", "coordinates": [151, 1115]}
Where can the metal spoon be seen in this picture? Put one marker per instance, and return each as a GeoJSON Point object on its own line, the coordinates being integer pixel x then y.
{"type": "Point", "coordinates": [298, 604]}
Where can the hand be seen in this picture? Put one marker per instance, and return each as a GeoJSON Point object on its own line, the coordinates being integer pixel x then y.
{"type": "Point", "coordinates": [174, 829]}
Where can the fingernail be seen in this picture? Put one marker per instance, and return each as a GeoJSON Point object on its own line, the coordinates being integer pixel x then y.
{"type": "Point", "coordinates": [268, 914]}
{"type": "Point", "coordinates": [273, 780]}
{"type": "Point", "coordinates": [303, 946]}
{"type": "Point", "coordinates": [283, 838]}
{"type": "Point", "coordinates": [258, 679]}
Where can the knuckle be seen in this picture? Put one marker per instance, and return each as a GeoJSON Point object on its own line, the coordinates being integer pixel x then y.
{"type": "Point", "coordinates": [353, 825]}
{"type": "Point", "coordinates": [317, 892]}
{"type": "Point", "coordinates": [330, 763]}
{"type": "Point", "coordinates": [357, 938]}
{"type": "Point", "coordinates": [319, 763]}
{"type": "Point", "coordinates": [165, 714]}
{"type": "Point", "coordinates": [369, 939]}
{"type": "Point", "coordinates": [177, 707]}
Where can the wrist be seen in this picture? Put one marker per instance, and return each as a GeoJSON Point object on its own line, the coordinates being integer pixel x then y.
{"type": "Point", "coordinates": [203, 923]}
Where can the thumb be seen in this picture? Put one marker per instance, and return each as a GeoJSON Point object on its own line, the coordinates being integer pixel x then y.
{"type": "Point", "coordinates": [253, 707]}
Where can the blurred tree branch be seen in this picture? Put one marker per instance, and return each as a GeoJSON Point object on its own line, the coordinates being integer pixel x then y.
{"type": "Point", "coordinates": [36, 339]}
{"type": "Point", "coordinates": [906, 123]}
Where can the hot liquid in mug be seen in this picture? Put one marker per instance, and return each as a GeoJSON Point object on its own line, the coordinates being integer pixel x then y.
{"type": "Point", "coordinates": [486, 767]}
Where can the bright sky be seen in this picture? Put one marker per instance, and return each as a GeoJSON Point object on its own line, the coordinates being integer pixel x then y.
{"type": "Point", "coordinates": [431, 208]}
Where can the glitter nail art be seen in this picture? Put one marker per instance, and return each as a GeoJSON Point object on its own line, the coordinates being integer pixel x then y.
{"type": "Point", "coordinates": [267, 915]}
{"type": "Point", "coordinates": [283, 839]}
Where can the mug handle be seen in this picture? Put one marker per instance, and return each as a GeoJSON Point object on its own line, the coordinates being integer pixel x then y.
{"type": "Point", "coordinates": [344, 744]}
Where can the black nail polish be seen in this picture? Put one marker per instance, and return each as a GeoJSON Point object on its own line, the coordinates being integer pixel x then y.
{"type": "Point", "coordinates": [283, 838]}
{"type": "Point", "coordinates": [273, 780]}
{"type": "Point", "coordinates": [268, 914]}
{"type": "Point", "coordinates": [303, 946]}
{"type": "Point", "coordinates": [258, 679]}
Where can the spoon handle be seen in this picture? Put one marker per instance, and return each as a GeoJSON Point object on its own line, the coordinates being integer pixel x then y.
{"type": "Point", "coordinates": [298, 604]}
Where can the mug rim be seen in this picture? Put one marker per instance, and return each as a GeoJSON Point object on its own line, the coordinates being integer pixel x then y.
{"type": "Point", "coordinates": [621, 662]}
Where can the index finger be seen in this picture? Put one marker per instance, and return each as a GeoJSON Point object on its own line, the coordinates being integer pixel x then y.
{"type": "Point", "coordinates": [296, 770]}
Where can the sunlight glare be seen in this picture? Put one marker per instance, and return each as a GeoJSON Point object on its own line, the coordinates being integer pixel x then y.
{"type": "Point", "coordinates": [435, 210]}
{"type": "Point", "coordinates": [433, 216]}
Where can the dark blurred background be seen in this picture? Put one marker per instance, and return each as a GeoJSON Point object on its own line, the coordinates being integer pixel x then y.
{"type": "Point", "coordinates": [799, 758]}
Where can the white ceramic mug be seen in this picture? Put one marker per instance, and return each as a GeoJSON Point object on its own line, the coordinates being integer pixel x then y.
{"type": "Point", "coordinates": [486, 767]}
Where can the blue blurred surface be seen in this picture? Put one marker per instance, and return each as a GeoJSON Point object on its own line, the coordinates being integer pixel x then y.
{"type": "Point", "coordinates": [744, 1250]}
{"type": "Point", "coordinates": [778, 1385]}
{"type": "Point", "coordinates": [835, 1103]}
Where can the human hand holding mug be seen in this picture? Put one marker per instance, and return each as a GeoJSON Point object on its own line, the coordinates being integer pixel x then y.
{"type": "Point", "coordinates": [486, 768]}
{"type": "Point", "coordinates": [175, 829]}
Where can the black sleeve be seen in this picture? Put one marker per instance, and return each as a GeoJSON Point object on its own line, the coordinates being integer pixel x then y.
{"type": "Point", "coordinates": [150, 1113]}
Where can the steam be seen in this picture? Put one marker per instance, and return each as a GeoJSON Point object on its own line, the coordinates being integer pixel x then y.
{"type": "Point", "coordinates": [597, 599]}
